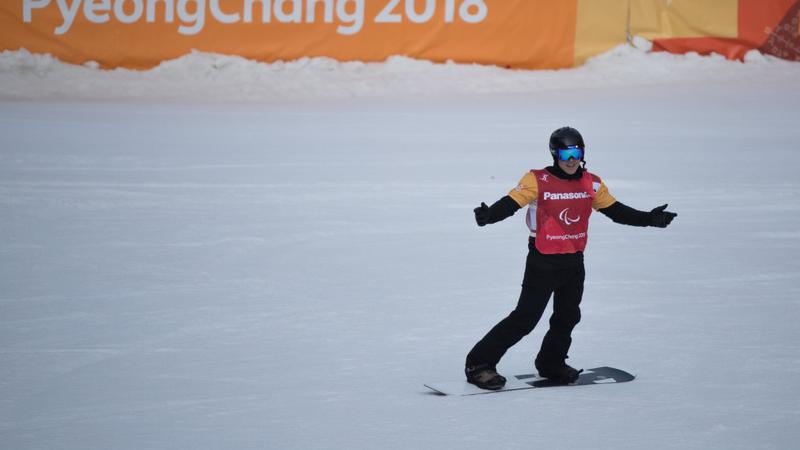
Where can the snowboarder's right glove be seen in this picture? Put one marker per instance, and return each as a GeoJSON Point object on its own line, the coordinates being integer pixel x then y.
{"type": "Point", "coordinates": [482, 214]}
{"type": "Point", "coordinates": [661, 218]}
{"type": "Point", "coordinates": [500, 210]}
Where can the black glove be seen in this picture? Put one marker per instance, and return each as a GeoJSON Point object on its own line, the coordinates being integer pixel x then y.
{"type": "Point", "coordinates": [482, 214]}
{"type": "Point", "coordinates": [500, 210]}
{"type": "Point", "coordinates": [660, 218]}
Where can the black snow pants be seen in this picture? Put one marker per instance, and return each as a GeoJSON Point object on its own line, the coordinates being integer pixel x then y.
{"type": "Point", "coordinates": [545, 275]}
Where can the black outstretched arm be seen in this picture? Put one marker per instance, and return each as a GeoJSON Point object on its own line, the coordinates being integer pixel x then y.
{"type": "Point", "coordinates": [624, 214]}
{"type": "Point", "coordinates": [500, 210]}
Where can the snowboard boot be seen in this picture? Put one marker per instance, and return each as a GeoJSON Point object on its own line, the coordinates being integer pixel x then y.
{"type": "Point", "coordinates": [485, 377]}
{"type": "Point", "coordinates": [559, 373]}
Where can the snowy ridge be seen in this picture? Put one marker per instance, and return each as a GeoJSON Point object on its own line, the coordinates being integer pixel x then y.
{"type": "Point", "coordinates": [206, 76]}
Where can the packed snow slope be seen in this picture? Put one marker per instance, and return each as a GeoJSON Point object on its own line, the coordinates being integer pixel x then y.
{"type": "Point", "coordinates": [280, 258]}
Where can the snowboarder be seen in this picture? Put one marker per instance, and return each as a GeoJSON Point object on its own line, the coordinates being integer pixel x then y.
{"type": "Point", "coordinates": [560, 199]}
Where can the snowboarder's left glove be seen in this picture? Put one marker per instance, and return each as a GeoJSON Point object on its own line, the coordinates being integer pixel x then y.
{"type": "Point", "coordinates": [661, 218]}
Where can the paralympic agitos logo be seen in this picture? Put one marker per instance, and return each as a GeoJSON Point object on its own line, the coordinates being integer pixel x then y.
{"type": "Point", "coordinates": [564, 216]}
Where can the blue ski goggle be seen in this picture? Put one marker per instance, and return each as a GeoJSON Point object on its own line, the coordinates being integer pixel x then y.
{"type": "Point", "coordinates": [574, 152]}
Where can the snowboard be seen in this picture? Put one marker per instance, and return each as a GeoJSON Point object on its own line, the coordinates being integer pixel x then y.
{"type": "Point", "coordinates": [598, 375]}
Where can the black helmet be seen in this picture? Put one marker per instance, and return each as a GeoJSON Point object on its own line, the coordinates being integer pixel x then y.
{"type": "Point", "coordinates": [565, 137]}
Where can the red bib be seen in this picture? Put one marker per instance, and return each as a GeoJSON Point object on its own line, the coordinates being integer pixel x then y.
{"type": "Point", "coordinates": [560, 216]}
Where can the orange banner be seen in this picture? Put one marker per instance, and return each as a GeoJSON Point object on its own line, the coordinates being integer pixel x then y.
{"type": "Point", "coordinates": [530, 34]}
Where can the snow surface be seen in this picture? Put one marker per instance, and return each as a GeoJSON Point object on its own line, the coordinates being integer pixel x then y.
{"type": "Point", "coordinates": [224, 254]}
{"type": "Point", "coordinates": [204, 76]}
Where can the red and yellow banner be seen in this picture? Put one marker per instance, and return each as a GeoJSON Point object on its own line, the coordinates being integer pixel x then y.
{"type": "Point", "coordinates": [728, 27]}
{"type": "Point", "coordinates": [530, 34]}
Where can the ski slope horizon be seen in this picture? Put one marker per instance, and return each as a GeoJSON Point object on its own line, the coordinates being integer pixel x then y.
{"type": "Point", "coordinates": [186, 266]}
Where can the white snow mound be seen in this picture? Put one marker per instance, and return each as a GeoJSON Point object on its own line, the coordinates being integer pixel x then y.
{"type": "Point", "coordinates": [207, 76]}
